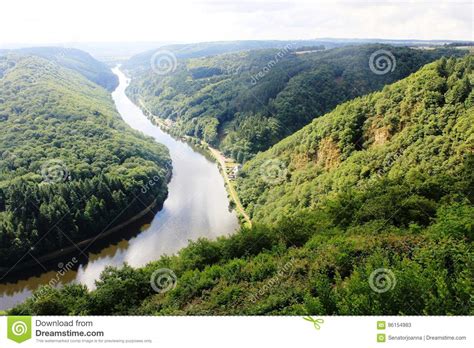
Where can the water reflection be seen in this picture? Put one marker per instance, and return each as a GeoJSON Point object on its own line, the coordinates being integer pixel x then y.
{"type": "Point", "coordinates": [196, 206]}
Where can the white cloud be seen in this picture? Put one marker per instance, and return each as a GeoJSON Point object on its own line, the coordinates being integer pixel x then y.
{"type": "Point", "coordinates": [52, 21]}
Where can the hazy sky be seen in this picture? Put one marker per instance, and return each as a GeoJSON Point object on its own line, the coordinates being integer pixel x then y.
{"type": "Point", "coordinates": [56, 21]}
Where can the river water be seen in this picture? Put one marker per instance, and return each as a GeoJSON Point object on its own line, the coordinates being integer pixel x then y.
{"type": "Point", "coordinates": [197, 206]}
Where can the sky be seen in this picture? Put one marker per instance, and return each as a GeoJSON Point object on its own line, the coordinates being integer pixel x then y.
{"type": "Point", "coordinates": [62, 21]}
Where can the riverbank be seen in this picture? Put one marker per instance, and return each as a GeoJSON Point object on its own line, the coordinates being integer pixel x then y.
{"type": "Point", "coordinates": [219, 158]}
{"type": "Point", "coordinates": [222, 161]}
{"type": "Point", "coordinates": [74, 249]}
{"type": "Point", "coordinates": [197, 206]}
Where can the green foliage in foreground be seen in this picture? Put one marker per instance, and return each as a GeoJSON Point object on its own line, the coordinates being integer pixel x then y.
{"type": "Point", "coordinates": [246, 102]}
{"type": "Point", "coordinates": [69, 166]}
{"type": "Point", "coordinates": [307, 264]}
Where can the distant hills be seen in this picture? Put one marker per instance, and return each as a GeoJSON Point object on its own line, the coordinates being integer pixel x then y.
{"type": "Point", "coordinates": [74, 59]}
{"type": "Point", "coordinates": [140, 61]}
{"type": "Point", "coordinates": [246, 102]}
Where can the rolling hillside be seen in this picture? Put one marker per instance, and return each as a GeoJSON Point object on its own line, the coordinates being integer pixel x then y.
{"type": "Point", "coordinates": [141, 62]}
{"type": "Point", "coordinates": [416, 132]}
{"type": "Point", "coordinates": [246, 102]}
{"type": "Point", "coordinates": [74, 59]}
{"type": "Point", "coordinates": [70, 168]}
{"type": "Point", "coordinates": [366, 211]}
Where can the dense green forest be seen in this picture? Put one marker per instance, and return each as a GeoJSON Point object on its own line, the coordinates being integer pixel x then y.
{"type": "Point", "coordinates": [141, 62]}
{"type": "Point", "coordinates": [415, 132]}
{"type": "Point", "coordinates": [74, 59]}
{"type": "Point", "coordinates": [246, 102]}
{"type": "Point", "coordinates": [384, 183]}
{"type": "Point", "coordinates": [69, 166]}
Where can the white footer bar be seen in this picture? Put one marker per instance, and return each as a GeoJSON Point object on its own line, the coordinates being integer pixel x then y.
{"type": "Point", "coordinates": [315, 331]}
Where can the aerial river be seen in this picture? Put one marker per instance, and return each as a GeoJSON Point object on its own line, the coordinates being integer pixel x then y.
{"type": "Point", "coordinates": [197, 206]}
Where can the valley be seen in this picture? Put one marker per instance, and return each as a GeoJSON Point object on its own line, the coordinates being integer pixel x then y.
{"type": "Point", "coordinates": [382, 183]}
{"type": "Point", "coordinates": [195, 205]}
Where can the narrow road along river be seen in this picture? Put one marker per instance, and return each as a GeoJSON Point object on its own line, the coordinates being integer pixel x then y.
{"type": "Point", "coordinates": [197, 206]}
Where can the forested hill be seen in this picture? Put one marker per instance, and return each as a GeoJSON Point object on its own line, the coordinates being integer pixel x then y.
{"type": "Point", "coordinates": [74, 59]}
{"type": "Point", "coordinates": [369, 211]}
{"type": "Point", "coordinates": [415, 133]}
{"type": "Point", "coordinates": [246, 102]}
{"type": "Point", "coordinates": [69, 166]}
{"type": "Point", "coordinates": [141, 62]}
